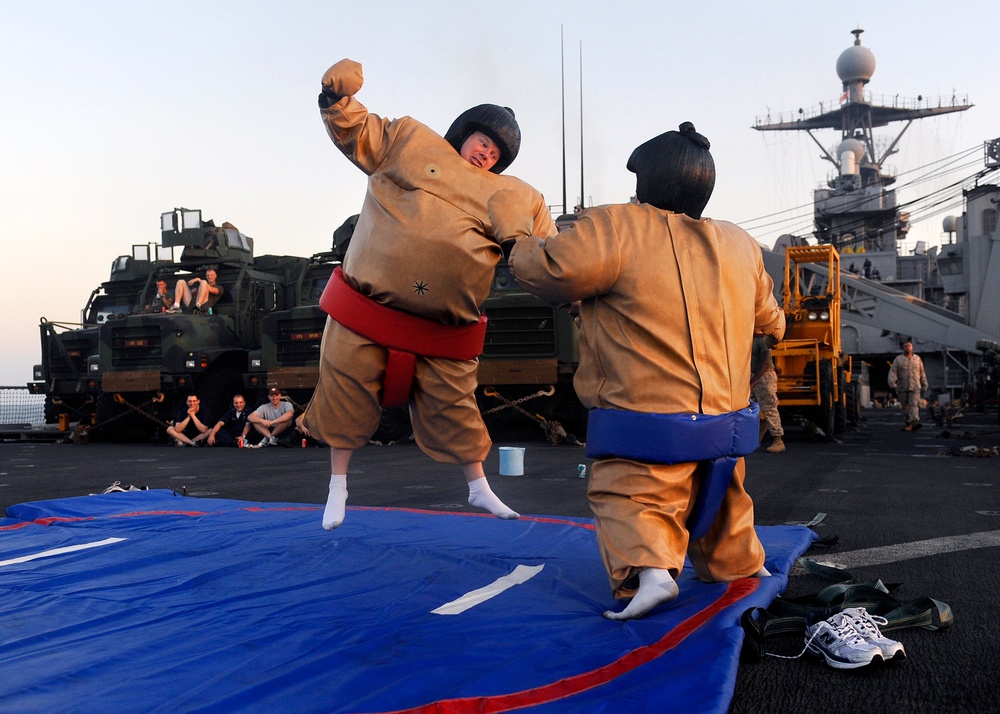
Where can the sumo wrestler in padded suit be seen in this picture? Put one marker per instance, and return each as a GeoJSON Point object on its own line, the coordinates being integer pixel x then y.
{"type": "Point", "coordinates": [404, 325]}
{"type": "Point", "coordinates": [670, 303]}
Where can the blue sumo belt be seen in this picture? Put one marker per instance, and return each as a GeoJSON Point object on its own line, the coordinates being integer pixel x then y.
{"type": "Point", "coordinates": [714, 440]}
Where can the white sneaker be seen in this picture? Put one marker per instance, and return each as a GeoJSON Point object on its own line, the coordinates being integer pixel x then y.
{"type": "Point", "coordinates": [272, 441]}
{"type": "Point", "coordinates": [838, 642]}
{"type": "Point", "coordinates": [867, 625]}
{"type": "Point", "coordinates": [173, 309]}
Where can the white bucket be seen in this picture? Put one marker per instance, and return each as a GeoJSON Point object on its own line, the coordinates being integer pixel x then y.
{"type": "Point", "coordinates": [511, 460]}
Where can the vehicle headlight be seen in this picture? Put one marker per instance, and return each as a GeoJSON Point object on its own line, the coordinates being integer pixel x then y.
{"type": "Point", "coordinates": [824, 316]}
{"type": "Point", "coordinates": [189, 364]}
{"type": "Point", "coordinates": [812, 316]}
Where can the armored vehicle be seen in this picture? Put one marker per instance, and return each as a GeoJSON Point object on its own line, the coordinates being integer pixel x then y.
{"type": "Point", "coordinates": [69, 373]}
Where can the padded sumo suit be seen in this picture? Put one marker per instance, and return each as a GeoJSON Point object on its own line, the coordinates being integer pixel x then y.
{"type": "Point", "coordinates": [424, 247]}
{"type": "Point", "coordinates": [670, 305]}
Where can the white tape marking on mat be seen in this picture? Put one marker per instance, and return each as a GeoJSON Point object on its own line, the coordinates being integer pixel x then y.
{"type": "Point", "coordinates": [916, 549]}
{"type": "Point", "coordinates": [60, 551]}
{"type": "Point", "coordinates": [521, 574]}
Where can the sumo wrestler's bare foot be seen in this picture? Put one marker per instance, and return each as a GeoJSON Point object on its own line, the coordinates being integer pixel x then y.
{"type": "Point", "coordinates": [482, 496]}
{"type": "Point", "coordinates": [656, 587]}
{"type": "Point", "coordinates": [336, 502]}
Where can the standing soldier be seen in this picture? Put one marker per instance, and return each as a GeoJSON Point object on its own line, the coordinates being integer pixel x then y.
{"type": "Point", "coordinates": [907, 377]}
{"type": "Point", "coordinates": [765, 392]}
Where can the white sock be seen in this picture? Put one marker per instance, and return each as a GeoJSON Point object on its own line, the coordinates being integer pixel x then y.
{"type": "Point", "coordinates": [656, 586]}
{"type": "Point", "coordinates": [333, 516]}
{"type": "Point", "coordinates": [482, 496]}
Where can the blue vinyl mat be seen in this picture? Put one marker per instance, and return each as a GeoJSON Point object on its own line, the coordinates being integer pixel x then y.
{"type": "Point", "coordinates": [151, 602]}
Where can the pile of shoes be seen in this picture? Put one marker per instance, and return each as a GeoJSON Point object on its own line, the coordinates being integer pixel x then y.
{"type": "Point", "coordinates": [843, 624]}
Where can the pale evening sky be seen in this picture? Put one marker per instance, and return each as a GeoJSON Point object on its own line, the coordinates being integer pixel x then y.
{"type": "Point", "coordinates": [116, 111]}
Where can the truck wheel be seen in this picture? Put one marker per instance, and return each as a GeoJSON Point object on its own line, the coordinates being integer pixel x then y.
{"type": "Point", "coordinates": [840, 406]}
{"type": "Point", "coordinates": [117, 423]}
{"type": "Point", "coordinates": [827, 409]}
{"type": "Point", "coordinates": [217, 389]}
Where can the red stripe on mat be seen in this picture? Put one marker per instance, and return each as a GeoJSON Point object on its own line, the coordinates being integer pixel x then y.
{"type": "Point", "coordinates": [588, 680]}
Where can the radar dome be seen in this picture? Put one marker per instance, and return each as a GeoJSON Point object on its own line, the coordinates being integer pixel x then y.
{"type": "Point", "coordinates": [949, 224]}
{"type": "Point", "coordinates": [856, 63]}
{"type": "Point", "coordinates": [855, 146]}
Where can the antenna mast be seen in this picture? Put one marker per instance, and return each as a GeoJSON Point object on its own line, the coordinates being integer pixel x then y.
{"type": "Point", "coordinates": [562, 58]}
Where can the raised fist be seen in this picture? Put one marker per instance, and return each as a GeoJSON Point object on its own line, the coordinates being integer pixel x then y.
{"type": "Point", "coordinates": [343, 79]}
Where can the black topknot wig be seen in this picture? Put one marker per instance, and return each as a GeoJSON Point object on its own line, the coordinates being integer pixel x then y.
{"type": "Point", "coordinates": [674, 171]}
{"type": "Point", "coordinates": [496, 122]}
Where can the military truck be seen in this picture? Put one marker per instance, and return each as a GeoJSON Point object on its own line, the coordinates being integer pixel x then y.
{"type": "Point", "coordinates": [69, 373]}
{"type": "Point", "coordinates": [127, 367]}
{"type": "Point", "coordinates": [814, 376]}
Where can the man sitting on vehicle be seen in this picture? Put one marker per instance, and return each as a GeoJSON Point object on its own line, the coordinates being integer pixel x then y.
{"type": "Point", "coordinates": [209, 292]}
{"type": "Point", "coordinates": [163, 300]}
{"type": "Point", "coordinates": [272, 419]}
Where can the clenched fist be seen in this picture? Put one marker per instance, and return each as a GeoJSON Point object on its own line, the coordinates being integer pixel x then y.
{"type": "Point", "coordinates": [343, 79]}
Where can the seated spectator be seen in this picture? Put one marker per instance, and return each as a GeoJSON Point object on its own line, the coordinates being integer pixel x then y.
{"type": "Point", "coordinates": [232, 426]}
{"type": "Point", "coordinates": [272, 419]}
{"type": "Point", "coordinates": [189, 426]}
{"type": "Point", "coordinates": [163, 300]}
{"type": "Point", "coordinates": [209, 292]}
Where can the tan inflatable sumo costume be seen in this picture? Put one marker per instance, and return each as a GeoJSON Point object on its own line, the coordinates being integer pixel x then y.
{"type": "Point", "coordinates": [405, 325]}
{"type": "Point", "coordinates": [670, 305]}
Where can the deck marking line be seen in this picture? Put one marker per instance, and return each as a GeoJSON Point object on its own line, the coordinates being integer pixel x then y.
{"type": "Point", "coordinates": [60, 551]}
{"type": "Point", "coordinates": [916, 549]}
{"type": "Point", "coordinates": [521, 574]}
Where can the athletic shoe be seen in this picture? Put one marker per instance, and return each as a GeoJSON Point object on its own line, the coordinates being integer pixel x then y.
{"type": "Point", "coordinates": [272, 441]}
{"type": "Point", "coordinates": [840, 644]}
{"type": "Point", "coordinates": [173, 309]}
{"type": "Point", "coordinates": [259, 445]}
{"type": "Point", "coordinates": [867, 625]}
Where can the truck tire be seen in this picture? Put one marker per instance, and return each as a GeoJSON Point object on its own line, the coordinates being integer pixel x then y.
{"type": "Point", "coordinates": [840, 407]}
{"type": "Point", "coordinates": [217, 389]}
{"type": "Point", "coordinates": [827, 408]}
{"type": "Point", "coordinates": [117, 423]}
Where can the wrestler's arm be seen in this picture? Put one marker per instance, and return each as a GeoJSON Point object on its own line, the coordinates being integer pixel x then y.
{"type": "Point", "coordinates": [359, 134]}
{"type": "Point", "coordinates": [579, 263]}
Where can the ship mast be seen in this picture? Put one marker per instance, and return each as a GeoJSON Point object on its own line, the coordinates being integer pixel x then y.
{"type": "Point", "coordinates": [857, 211]}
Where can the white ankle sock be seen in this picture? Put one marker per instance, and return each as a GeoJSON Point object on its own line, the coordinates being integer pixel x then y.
{"type": "Point", "coordinates": [656, 586]}
{"type": "Point", "coordinates": [482, 496]}
{"type": "Point", "coordinates": [336, 502]}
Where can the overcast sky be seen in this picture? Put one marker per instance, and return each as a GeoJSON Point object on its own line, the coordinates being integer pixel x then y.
{"type": "Point", "coordinates": [114, 112]}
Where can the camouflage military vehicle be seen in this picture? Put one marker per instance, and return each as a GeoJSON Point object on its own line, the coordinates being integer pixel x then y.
{"type": "Point", "coordinates": [69, 373]}
{"type": "Point", "coordinates": [131, 362]}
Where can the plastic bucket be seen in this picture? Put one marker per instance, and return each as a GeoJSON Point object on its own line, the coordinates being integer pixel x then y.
{"type": "Point", "coordinates": [511, 460]}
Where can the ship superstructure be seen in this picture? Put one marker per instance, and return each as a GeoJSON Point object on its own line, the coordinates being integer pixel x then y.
{"type": "Point", "coordinates": [945, 299]}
